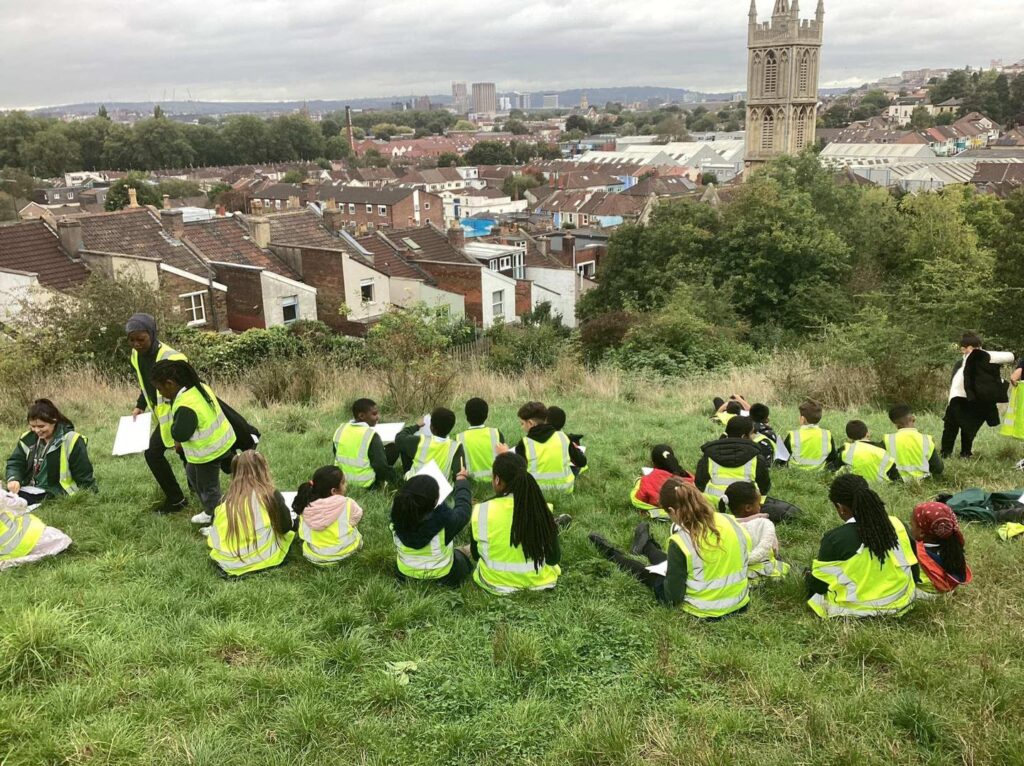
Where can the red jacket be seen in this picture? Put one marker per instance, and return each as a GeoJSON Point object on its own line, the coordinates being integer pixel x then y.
{"type": "Point", "coordinates": [942, 580]}
{"type": "Point", "coordinates": [650, 486]}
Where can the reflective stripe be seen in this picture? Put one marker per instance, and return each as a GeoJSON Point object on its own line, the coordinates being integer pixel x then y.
{"type": "Point", "coordinates": [562, 479]}
{"type": "Point", "coordinates": [430, 562]}
{"type": "Point", "coordinates": [213, 436]}
{"type": "Point", "coordinates": [356, 467]}
{"type": "Point", "coordinates": [483, 545]}
{"type": "Point", "coordinates": [700, 593]}
{"type": "Point", "coordinates": [852, 459]}
{"type": "Point", "coordinates": [346, 543]}
{"type": "Point", "coordinates": [721, 477]}
{"type": "Point", "coordinates": [797, 451]}
{"type": "Point", "coordinates": [913, 470]}
{"type": "Point", "coordinates": [67, 446]}
{"type": "Point", "coordinates": [215, 448]}
{"type": "Point", "coordinates": [440, 450]}
{"type": "Point", "coordinates": [470, 449]}
{"type": "Point", "coordinates": [161, 409]}
{"type": "Point", "coordinates": [265, 549]}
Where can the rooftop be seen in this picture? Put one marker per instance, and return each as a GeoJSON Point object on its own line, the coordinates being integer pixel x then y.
{"type": "Point", "coordinates": [33, 247]}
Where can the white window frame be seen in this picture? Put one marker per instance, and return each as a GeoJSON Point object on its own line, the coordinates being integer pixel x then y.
{"type": "Point", "coordinates": [351, 208]}
{"type": "Point", "coordinates": [56, 195]}
{"type": "Point", "coordinates": [498, 303]}
{"type": "Point", "coordinates": [290, 301]}
{"type": "Point", "coordinates": [363, 284]}
{"type": "Point", "coordinates": [369, 208]}
{"type": "Point", "coordinates": [191, 310]}
{"type": "Point", "coordinates": [382, 210]}
{"type": "Point", "coordinates": [506, 263]}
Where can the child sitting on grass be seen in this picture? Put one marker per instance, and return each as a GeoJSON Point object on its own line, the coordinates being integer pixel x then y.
{"type": "Point", "coordinates": [551, 458]}
{"type": "Point", "coordinates": [646, 492]}
{"type": "Point", "coordinates": [811, 447]}
{"type": "Point", "coordinates": [744, 502]}
{"type": "Point", "coordinates": [864, 458]}
{"type": "Point", "coordinates": [479, 443]}
{"type": "Point", "coordinates": [556, 419]}
{"type": "Point", "coordinates": [327, 518]}
{"type": "Point", "coordinates": [764, 435]}
{"type": "Point", "coordinates": [24, 537]}
{"type": "Point", "coordinates": [914, 452]}
{"type": "Point", "coordinates": [419, 449]}
{"type": "Point", "coordinates": [251, 529]}
{"type": "Point", "coordinates": [359, 450]}
{"type": "Point", "coordinates": [939, 545]}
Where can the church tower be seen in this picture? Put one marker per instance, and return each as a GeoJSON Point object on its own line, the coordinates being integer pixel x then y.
{"type": "Point", "coordinates": [784, 56]}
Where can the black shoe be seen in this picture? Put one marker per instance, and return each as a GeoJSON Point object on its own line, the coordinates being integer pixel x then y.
{"type": "Point", "coordinates": [717, 403]}
{"type": "Point", "coordinates": [564, 521]}
{"type": "Point", "coordinates": [604, 547]}
{"type": "Point", "coordinates": [641, 536]}
{"type": "Point", "coordinates": [171, 506]}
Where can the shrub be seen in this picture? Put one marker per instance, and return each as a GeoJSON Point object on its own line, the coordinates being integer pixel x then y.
{"type": "Point", "coordinates": [515, 349]}
{"type": "Point", "coordinates": [18, 367]}
{"type": "Point", "coordinates": [293, 381]}
{"type": "Point", "coordinates": [603, 333]}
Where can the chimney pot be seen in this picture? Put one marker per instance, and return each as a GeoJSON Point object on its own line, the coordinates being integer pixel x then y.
{"type": "Point", "coordinates": [133, 197]}
{"type": "Point", "coordinates": [69, 230]}
{"type": "Point", "coordinates": [174, 222]}
{"type": "Point", "coordinates": [221, 211]}
{"type": "Point", "coordinates": [456, 236]}
{"type": "Point", "coordinates": [332, 219]}
{"type": "Point", "coordinates": [259, 230]}
{"type": "Point", "coordinates": [167, 202]}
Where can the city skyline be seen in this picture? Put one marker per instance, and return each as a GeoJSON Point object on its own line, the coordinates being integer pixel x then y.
{"type": "Point", "coordinates": [247, 51]}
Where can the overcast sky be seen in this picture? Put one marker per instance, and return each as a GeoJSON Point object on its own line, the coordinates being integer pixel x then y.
{"type": "Point", "coordinates": [63, 51]}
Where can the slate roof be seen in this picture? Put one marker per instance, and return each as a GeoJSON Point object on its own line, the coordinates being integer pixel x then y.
{"type": "Point", "coordinates": [137, 231]}
{"type": "Point", "coordinates": [608, 204]}
{"type": "Point", "coordinates": [302, 228]}
{"type": "Point", "coordinates": [226, 240]}
{"type": "Point", "coordinates": [387, 258]}
{"type": "Point", "coordinates": [661, 186]}
{"type": "Point", "coordinates": [34, 247]}
{"type": "Point", "coordinates": [432, 245]}
{"type": "Point", "coordinates": [363, 195]}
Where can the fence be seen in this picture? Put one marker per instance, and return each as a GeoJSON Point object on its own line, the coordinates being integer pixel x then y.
{"type": "Point", "coordinates": [472, 350]}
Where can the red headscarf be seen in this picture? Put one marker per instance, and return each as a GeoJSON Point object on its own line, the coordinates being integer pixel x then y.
{"type": "Point", "coordinates": [937, 520]}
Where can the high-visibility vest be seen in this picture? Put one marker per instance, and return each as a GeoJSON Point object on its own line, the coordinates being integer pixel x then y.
{"type": "Point", "coordinates": [548, 462]}
{"type": "Point", "coordinates": [352, 453]}
{"type": "Point", "coordinates": [332, 544]}
{"type": "Point", "coordinates": [717, 576]}
{"type": "Point", "coordinates": [480, 446]}
{"type": "Point", "coordinates": [1010, 530]}
{"type": "Point", "coordinates": [659, 514]}
{"type": "Point", "coordinates": [161, 408]}
{"type": "Point", "coordinates": [859, 587]}
{"type": "Point", "coordinates": [262, 551]}
{"type": "Point", "coordinates": [722, 477]}
{"type": "Point", "coordinates": [772, 567]}
{"type": "Point", "coordinates": [440, 450]}
{"type": "Point", "coordinates": [760, 439]}
{"type": "Point", "coordinates": [911, 450]}
{"type": "Point", "coordinates": [724, 418]}
{"type": "Point", "coordinates": [868, 461]}
{"type": "Point", "coordinates": [811, 446]}
{"type": "Point", "coordinates": [213, 437]}
{"type": "Point", "coordinates": [1013, 419]}
{"type": "Point", "coordinates": [431, 562]}
{"type": "Point", "coordinates": [503, 568]}
{"type": "Point", "coordinates": [67, 445]}
{"type": "Point", "coordinates": [19, 534]}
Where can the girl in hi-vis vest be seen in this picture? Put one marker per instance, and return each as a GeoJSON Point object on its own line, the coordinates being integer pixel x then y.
{"type": "Point", "coordinates": [327, 518]}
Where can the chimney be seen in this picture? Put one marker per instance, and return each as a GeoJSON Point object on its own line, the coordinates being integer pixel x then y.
{"type": "Point", "coordinates": [133, 197]}
{"type": "Point", "coordinates": [70, 232]}
{"type": "Point", "coordinates": [332, 219]}
{"type": "Point", "coordinates": [257, 207]}
{"type": "Point", "coordinates": [456, 236]}
{"type": "Point", "coordinates": [259, 231]}
{"type": "Point", "coordinates": [569, 250]}
{"type": "Point", "coordinates": [221, 211]}
{"type": "Point", "coordinates": [173, 222]}
{"type": "Point", "coordinates": [293, 203]}
{"type": "Point", "coordinates": [167, 202]}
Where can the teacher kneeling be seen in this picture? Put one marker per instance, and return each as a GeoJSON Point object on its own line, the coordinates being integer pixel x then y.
{"type": "Point", "coordinates": [977, 387]}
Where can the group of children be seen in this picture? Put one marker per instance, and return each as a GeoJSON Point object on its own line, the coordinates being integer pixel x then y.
{"type": "Point", "coordinates": [722, 522]}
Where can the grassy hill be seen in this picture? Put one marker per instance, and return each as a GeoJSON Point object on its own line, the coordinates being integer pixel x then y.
{"type": "Point", "coordinates": [129, 649]}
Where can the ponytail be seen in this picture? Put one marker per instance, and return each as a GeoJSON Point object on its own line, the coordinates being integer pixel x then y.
{"type": "Point", "coordinates": [182, 373]}
{"type": "Point", "coordinates": [873, 525]}
{"type": "Point", "coordinates": [664, 458]}
{"type": "Point", "coordinates": [533, 527]}
{"type": "Point", "coordinates": [688, 508]}
{"type": "Point", "coordinates": [46, 411]}
{"type": "Point", "coordinates": [953, 560]}
{"type": "Point", "coordinates": [320, 486]}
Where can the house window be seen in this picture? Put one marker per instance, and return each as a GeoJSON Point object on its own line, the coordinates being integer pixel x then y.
{"type": "Point", "coordinates": [426, 206]}
{"type": "Point", "coordinates": [195, 308]}
{"type": "Point", "coordinates": [56, 195]}
{"type": "Point", "coordinates": [71, 195]}
{"type": "Point", "coordinates": [351, 208]}
{"type": "Point", "coordinates": [290, 309]}
{"type": "Point", "coordinates": [506, 262]}
{"type": "Point", "coordinates": [366, 290]}
{"type": "Point", "coordinates": [382, 209]}
{"type": "Point", "coordinates": [369, 209]}
{"type": "Point", "coordinates": [277, 204]}
{"type": "Point", "coordinates": [498, 303]}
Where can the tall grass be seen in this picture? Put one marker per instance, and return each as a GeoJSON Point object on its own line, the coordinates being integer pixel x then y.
{"type": "Point", "coordinates": [129, 649]}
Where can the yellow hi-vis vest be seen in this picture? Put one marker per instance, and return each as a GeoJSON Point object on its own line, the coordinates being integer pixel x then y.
{"type": "Point", "coordinates": [659, 514]}
{"type": "Point", "coordinates": [502, 568]}
{"type": "Point", "coordinates": [480, 446]}
{"type": "Point", "coordinates": [431, 562]}
{"type": "Point", "coordinates": [760, 439]}
{"type": "Point", "coordinates": [161, 408]}
{"type": "Point", "coordinates": [1013, 419]}
{"type": "Point", "coordinates": [911, 450]}
{"type": "Point", "coordinates": [19, 534]}
{"type": "Point", "coordinates": [264, 549]}
{"type": "Point", "coordinates": [549, 463]}
{"type": "Point", "coordinates": [67, 445]}
{"type": "Point", "coordinates": [717, 579]}
{"type": "Point", "coordinates": [722, 477]}
{"type": "Point", "coordinates": [859, 587]}
{"type": "Point", "coordinates": [868, 461]}
{"type": "Point", "coordinates": [213, 436]}
{"type": "Point", "coordinates": [724, 418]}
{"type": "Point", "coordinates": [770, 568]}
{"type": "Point", "coordinates": [441, 451]}
{"type": "Point", "coordinates": [811, 446]}
{"type": "Point", "coordinates": [333, 544]}
{"type": "Point", "coordinates": [1010, 530]}
{"type": "Point", "coordinates": [352, 453]}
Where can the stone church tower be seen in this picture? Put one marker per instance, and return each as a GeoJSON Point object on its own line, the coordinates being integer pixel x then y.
{"type": "Point", "coordinates": [782, 81]}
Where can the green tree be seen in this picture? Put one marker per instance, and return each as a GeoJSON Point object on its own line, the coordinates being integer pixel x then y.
{"type": "Point", "coordinates": [158, 112]}
{"type": "Point", "coordinates": [146, 193]}
{"type": "Point", "coordinates": [90, 136]}
{"type": "Point", "coordinates": [338, 148]}
{"type": "Point", "coordinates": [516, 185]}
{"type": "Point", "coordinates": [921, 118]}
{"type": "Point", "coordinates": [248, 138]}
{"type": "Point", "coordinates": [330, 127]}
{"type": "Point", "coordinates": [294, 177]}
{"type": "Point", "coordinates": [176, 189]}
{"type": "Point", "coordinates": [102, 113]}
{"type": "Point", "coordinates": [490, 153]}
{"type": "Point", "coordinates": [51, 152]}
{"type": "Point", "coordinates": [16, 130]}
{"type": "Point", "coordinates": [580, 123]}
{"type": "Point", "coordinates": [295, 137]}
{"type": "Point", "coordinates": [160, 143]}
{"type": "Point", "coordinates": [516, 127]}
{"type": "Point", "coordinates": [463, 125]}
{"type": "Point", "coordinates": [449, 159]}
{"type": "Point", "coordinates": [8, 207]}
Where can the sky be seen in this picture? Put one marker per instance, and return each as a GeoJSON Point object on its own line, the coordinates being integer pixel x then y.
{"type": "Point", "coordinates": [66, 51]}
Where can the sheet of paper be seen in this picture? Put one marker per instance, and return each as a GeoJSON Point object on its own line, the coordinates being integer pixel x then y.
{"type": "Point", "coordinates": [388, 431]}
{"type": "Point", "coordinates": [432, 470]}
{"type": "Point", "coordinates": [425, 431]}
{"type": "Point", "coordinates": [781, 453]}
{"type": "Point", "coordinates": [289, 498]}
{"type": "Point", "coordinates": [659, 569]}
{"type": "Point", "coordinates": [646, 471]}
{"type": "Point", "coordinates": [32, 491]}
{"type": "Point", "coordinates": [581, 448]}
{"type": "Point", "coordinates": [32, 508]}
{"type": "Point", "coordinates": [745, 413]}
{"type": "Point", "coordinates": [133, 434]}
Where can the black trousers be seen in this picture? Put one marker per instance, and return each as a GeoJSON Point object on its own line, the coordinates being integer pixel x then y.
{"type": "Point", "coordinates": [638, 569]}
{"type": "Point", "coordinates": [156, 459]}
{"type": "Point", "coordinates": [964, 418]}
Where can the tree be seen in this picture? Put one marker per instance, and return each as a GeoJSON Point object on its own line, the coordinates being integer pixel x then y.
{"type": "Point", "coordinates": [248, 138]}
{"type": "Point", "coordinates": [8, 207]}
{"type": "Point", "coordinates": [217, 190]}
{"type": "Point", "coordinates": [295, 137]}
{"type": "Point", "coordinates": [294, 177]}
{"type": "Point", "coordinates": [102, 112]}
{"type": "Point", "coordinates": [516, 128]}
{"type": "Point", "coordinates": [578, 122]}
{"type": "Point", "coordinates": [330, 127]}
{"type": "Point", "coordinates": [490, 153]}
{"type": "Point", "coordinates": [671, 129]}
{"type": "Point", "coordinates": [160, 143]}
{"type": "Point", "coordinates": [921, 118]}
{"type": "Point", "coordinates": [463, 126]}
{"type": "Point", "coordinates": [158, 112]}
{"type": "Point", "coordinates": [384, 131]}
{"type": "Point", "coordinates": [338, 148]}
{"type": "Point", "coordinates": [176, 189]}
{"type": "Point", "coordinates": [146, 193]}
{"type": "Point", "coordinates": [373, 159]}
{"type": "Point", "coordinates": [516, 185]}
{"type": "Point", "coordinates": [52, 153]}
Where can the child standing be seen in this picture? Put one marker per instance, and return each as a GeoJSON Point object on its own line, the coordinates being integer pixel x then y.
{"type": "Point", "coordinates": [939, 545]}
{"type": "Point", "coordinates": [24, 538]}
{"type": "Point", "coordinates": [251, 529]}
{"type": "Point", "coordinates": [359, 450]}
{"type": "Point", "coordinates": [646, 492]}
{"type": "Point", "coordinates": [51, 455]}
{"type": "Point", "coordinates": [479, 443]}
{"type": "Point", "coordinates": [419, 449]}
{"type": "Point", "coordinates": [744, 503]}
{"type": "Point", "coordinates": [865, 458]}
{"type": "Point", "coordinates": [811, 447]}
{"type": "Point", "coordinates": [914, 452]}
{"type": "Point", "coordinates": [327, 519]}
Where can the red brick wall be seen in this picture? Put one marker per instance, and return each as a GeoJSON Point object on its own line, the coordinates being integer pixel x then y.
{"type": "Point", "coordinates": [399, 216]}
{"type": "Point", "coordinates": [524, 295]}
{"type": "Point", "coordinates": [216, 309]}
{"type": "Point", "coordinates": [464, 280]}
{"type": "Point", "coordinates": [244, 298]}
{"type": "Point", "coordinates": [324, 270]}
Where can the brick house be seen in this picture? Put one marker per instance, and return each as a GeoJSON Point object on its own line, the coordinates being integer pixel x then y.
{"type": "Point", "coordinates": [34, 267]}
{"type": "Point", "coordinates": [363, 207]}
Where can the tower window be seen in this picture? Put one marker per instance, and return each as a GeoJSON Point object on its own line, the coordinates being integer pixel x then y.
{"type": "Point", "coordinates": [768, 131]}
{"type": "Point", "coordinates": [801, 129]}
{"type": "Point", "coordinates": [771, 74]}
{"type": "Point", "coordinates": [804, 74]}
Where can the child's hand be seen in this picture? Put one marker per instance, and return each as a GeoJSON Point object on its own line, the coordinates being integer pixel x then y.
{"type": "Point", "coordinates": [501, 449]}
{"type": "Point", "coordinates": [13, 486]}
{"type": "Point", "coordinates": [462, 475]}
{"type": "Point", "coordinates": [135, 413]}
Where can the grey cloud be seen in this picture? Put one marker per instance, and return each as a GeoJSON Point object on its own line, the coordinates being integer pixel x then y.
{"type": "Point", "coordinates": [268, 49]}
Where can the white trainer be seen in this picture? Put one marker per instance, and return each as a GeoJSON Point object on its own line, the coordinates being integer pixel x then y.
{"type": "Point", "coordinates": [202, 518]}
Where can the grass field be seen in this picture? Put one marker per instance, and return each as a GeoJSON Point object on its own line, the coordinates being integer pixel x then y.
{"type": "Point", "coordinates": [130, 650]}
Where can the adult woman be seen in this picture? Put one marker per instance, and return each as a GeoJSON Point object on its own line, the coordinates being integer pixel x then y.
{"type": "Point", "coordinates": [975, 390]}
{"type": "Point", "coordinates": [51, 456]}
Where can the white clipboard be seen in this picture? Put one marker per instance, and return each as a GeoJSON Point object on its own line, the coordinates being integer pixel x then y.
{"type": "Point", "coordinates": [133, 434]}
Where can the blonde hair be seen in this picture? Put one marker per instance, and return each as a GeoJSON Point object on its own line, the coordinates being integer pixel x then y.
{"type": "Point", "coordinates": [250, 475]}
{"type": "Point", "coordinates": [691, 510]}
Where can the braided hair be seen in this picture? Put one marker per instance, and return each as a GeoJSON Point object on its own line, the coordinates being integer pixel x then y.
{"type": "Point", "coordinates": [873, 525]}
{"type": "Point", "coordinates": [533, 527]}
{"type": "Point", "coordinates": [182, 373]}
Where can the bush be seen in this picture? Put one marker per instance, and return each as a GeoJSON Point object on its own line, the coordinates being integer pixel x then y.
{"type": "Point", "coordinates": [18, 368]}
{"type": "Point", "coordinates": [515, 349]}
{"type": "Point", "coordinates": [295, 381]}
{"type": "Point", "coordinates": [603, 333]}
